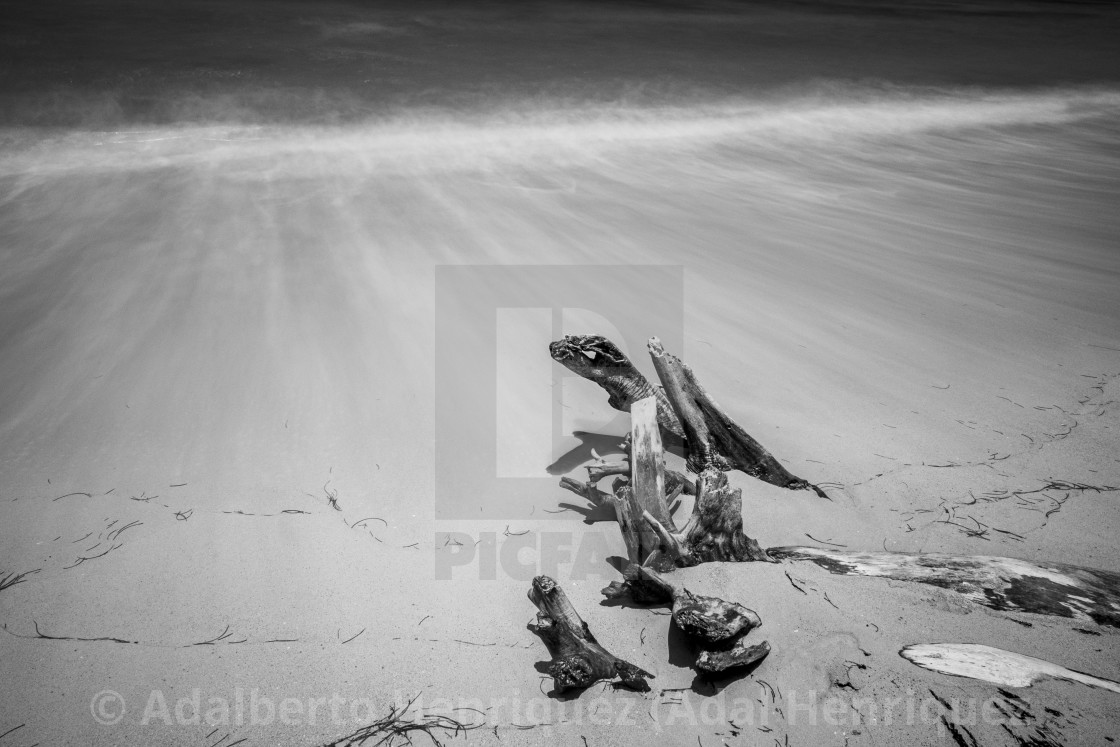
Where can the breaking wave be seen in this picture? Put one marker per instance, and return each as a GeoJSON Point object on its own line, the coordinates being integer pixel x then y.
{"type": "Point", "coordinates": [427, 141]}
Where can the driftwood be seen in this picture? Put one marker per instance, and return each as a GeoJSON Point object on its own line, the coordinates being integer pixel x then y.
{"type": "Point", "coordinates": [713, 532]}
{"type": "Point", "coordinates": [708, 619]}
{"type": "Point", "coordinates": [675, 485]}
{"type": "Point", "coordinates": [741, 654]}
{"type": "Point", "coordinates": [1000, 583]}
{"type": "Point", "coordinates": [713, 438]}
{"type": "Point", "coordinates": [642, 498]}
{"type": "Point", "coordinates": [684, 409]}
{"type": "Point", "coordinates": [597, 359]}
{"type": "Point", "coordinates": [995, 665]}
{"type": "Point", "coordinates": [642, 508]}
{"type": "Point", "coordinates": [577, 658]}
{"type": "Point", "coordinates": [646, 489]}
{"type": "Point", "coordinates": [718, 628]}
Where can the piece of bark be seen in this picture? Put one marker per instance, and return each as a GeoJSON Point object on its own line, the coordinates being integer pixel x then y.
{"type": "Point", "coordinates": [995, 665]}
{"type": "Point", "coordinates": [741, 654]}
{"type": "Point", "coordinates": [709, 620]}
{"type": "Point", "coordinates": [597, 359]}
{"type": "Point", "coordinates": [1006, 584]}
{"type": "Point", "coordinates": [578, 660]}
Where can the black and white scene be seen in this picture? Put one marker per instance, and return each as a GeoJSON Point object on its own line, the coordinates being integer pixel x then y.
{"type": "Point", "coordinates": [560, 372]}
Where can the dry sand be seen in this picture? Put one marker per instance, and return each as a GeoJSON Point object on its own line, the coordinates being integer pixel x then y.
{"type": "Point", "coordinates": [208, 334]}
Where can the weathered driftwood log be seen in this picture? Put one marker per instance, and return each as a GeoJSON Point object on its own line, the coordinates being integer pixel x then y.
{"type": "Point", "coordinates": [995, 665]}
{"type": "Point", "coordinates": [1000, 583]}
{"type": "Point", "coordinates": [713, 438]}
{"type": "Point", "coordinates": [716, 626]}
{"type": "Point", "coordinates": [597, 359]}
{"type": "Point", "coordinates": [577, 658]}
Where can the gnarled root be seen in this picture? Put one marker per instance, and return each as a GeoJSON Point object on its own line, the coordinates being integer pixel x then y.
{"type": "Point", "coordinates": [714, 532]}
{"type": "Point", "coordinates": [577, 658]}
{"type": "Point", "coordinates": [716, 626]}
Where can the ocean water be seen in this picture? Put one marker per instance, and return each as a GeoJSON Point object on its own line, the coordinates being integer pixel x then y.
{"type": "Point", "coordinates": [219, 222]}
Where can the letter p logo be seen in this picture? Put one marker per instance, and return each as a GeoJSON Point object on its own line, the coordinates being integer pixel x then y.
{"type": "Point", "coordinates": [505, 411]}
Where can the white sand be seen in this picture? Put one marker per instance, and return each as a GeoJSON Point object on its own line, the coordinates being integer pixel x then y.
{"type": "Point", "coordinates": [916, 311]}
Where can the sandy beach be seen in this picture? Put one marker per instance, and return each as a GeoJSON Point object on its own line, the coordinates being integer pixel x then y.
{"type": "Point", "coordinates": [222, 513]}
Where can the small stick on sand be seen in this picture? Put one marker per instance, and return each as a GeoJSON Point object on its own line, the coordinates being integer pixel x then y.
{"type": "Point", "coordinates": [59, 498]}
